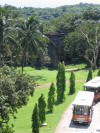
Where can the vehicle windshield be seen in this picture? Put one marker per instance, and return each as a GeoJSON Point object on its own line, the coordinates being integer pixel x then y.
{"type": "Point", "coordinates": [95, 90]}
{"type": "Point", "coordinates": [81, 110]}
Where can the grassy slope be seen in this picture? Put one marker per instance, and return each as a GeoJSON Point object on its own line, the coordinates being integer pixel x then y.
{"type": "Point", "coordinates": [23, 121]}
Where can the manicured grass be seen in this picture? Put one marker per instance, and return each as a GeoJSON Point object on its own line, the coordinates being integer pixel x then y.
{"type": "Point", "coordinates": [45, 75]}
{"type": "Point", "coordinates": [75, 66]}
{"type": "Point", "coordinates": [23, 122]}
{"type": "Point", "coordinates": [41, 76]}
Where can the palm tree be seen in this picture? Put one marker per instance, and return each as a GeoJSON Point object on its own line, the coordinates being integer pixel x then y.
{"type": "Point", "coordinates": [30, 38]}
{"type": "Point", "coordinates": [7, 37]}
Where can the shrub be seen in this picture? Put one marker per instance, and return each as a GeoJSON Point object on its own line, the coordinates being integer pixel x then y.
{"type": "Point", "coordinates": [51, 97]}
{"type": "Point", "coordinates": [35, 120]}
{"type": "Point", "coordinates": [89, 77]}
{"type": "Point", "coordinates": [61, 82]}
{"type": "Point", "coordinates": [72, 83]}
{"type": "Point", "coordinates": [42, 106]}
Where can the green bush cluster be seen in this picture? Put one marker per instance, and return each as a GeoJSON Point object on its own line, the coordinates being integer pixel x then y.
{"type": "Point", "coordinates": [15, 88]}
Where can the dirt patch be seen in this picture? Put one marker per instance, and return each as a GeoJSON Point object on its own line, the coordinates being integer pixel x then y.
{"type": "Point", "coordinates": [49, 83]}
{"type": "Point", "coordinates": [74, 69]}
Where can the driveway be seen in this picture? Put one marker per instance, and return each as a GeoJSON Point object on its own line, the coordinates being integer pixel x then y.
{"type": "Point", "coordinates": [66, 126]}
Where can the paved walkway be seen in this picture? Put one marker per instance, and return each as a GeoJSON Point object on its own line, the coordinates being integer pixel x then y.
{"type": "Point", "coordinates": [66, 126]}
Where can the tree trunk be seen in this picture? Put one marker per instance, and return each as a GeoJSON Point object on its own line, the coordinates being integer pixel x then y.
{"type": "Point", "coordinates": [22, 64]}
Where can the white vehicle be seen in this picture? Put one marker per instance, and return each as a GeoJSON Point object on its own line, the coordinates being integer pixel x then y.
{"type": "Point", "coordinates": [94, 86]}
{"type": "Point", "coordinates": [82, 107]}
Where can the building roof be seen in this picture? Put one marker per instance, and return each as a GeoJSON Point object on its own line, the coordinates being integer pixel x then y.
{"type": "Point", "coordinates": [84, 98]}
{"type": "Point", "coordinates": [94, 83]}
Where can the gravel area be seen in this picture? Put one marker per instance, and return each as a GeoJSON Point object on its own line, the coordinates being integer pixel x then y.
{"type": "Point", "coordinates": [66, 126]}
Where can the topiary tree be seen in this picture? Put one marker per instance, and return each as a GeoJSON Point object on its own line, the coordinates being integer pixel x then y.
{"type": "Point", "coordinates": [42, 106]}
{"type": "Point", "coordinates": [35, 120]}
{"type": "Point", "coordinates": [89, 77]}
{"type": "Point", "coordinates": [61, 82]}
{"type": "Point", "coordinates": [98, 74]}
{"type": "Point", "coordinates": [72, 83]}
{"type": "Point", "coordinates": [51, 97]}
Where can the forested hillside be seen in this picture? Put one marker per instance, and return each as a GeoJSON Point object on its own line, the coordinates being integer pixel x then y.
{"type": "Point", "coordinates": [50, 13]}
{"type": "Point", "coordinates": [72, 31]}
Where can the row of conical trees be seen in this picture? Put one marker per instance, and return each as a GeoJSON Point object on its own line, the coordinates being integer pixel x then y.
{"type": "Point", "coordinates": [38, 116]}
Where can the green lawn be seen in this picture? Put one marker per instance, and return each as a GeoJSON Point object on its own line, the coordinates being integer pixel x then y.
{"type": "Point", "coordinates": [75, 66]}
{"type": "Point", "coordinates": [23, 122]}
{"type": "Point", "coordinates": [41, 76]}
{"type": "Point", "coordinates": [45, 75]}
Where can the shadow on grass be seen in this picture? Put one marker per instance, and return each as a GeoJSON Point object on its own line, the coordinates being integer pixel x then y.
{"type": "Point", "coordinates": [57, 103]}
{"type": "Point", "coordinates": [45, 67]}
{"type": "Point", "coordinates": [49, 112]}
{"type": "Point", "coordinates": [39, 78]}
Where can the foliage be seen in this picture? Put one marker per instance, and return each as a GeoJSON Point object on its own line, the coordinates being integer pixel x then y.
{"type": "Point", "coordinates": [44, 14]}
{"type": "Point", "coordinates": [74, 47]}
{"type": "Point", "coordinates": [6, 129]}
{"type": "Point", "coordinates": [31, 39]}
{"type": "Point", "coordinates": [51, 118]}
{"type": "Point", "coordinates": [32, 48]}
{"type": "Point", "coordinates": [91, 32]}
{"type": "Point", "coordinates": [42, 107]}
{"type": "Point", "coordinates": [35, 120]}
{"type": "Point", "coordinates": [51, 97]}
{"type": "Point", "coordinates": [25, 125]}
{"type": "Point", "coordinates": [84, 46]}
{"type": "Point", "coordinates": [89, 77]}
{"type": "Point", "coordinates": [91, 13]}
{"type": "Point", "coordinates": [98, 74]}
{"type": "Point", "coordinates": [61, 82]}
{"type": "Point", "coordinates": [72, 83]}
{"type": "Point", "coordinates": [15, 88]}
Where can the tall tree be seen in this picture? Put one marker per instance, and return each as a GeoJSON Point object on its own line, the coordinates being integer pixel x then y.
{"type": "Point", "coordinates": [74, 47]}
{"type": "Point", "coordinates": [61, 82]}
{"type": "Point", "coordinates": [7, 37]}
{"type": "Point", "coordinates": [72, 83]}
{"type": "Point", "coordinates": [51, 97]}
{"type": "Point", "coordinates": [30, 38]}
{"type": "Point", "coordinates": [35, 120]}
{"type": "Point", "coordinates": [89, 77]}
{"type": "Point", "coordinates": [42, 107]}
{"type": "Point", "coordinates": [92, 51]}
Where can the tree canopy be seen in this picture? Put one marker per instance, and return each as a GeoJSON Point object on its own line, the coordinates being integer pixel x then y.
{"type": "Point", "coordinates": [15, 89]}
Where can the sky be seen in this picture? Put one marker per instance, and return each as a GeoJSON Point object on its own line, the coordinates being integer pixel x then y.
{"type": "Point", "coordinates": [45, 3]}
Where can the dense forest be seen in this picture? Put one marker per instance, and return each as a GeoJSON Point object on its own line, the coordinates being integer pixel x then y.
{"type": "Point", "coordinates": [36, 36]}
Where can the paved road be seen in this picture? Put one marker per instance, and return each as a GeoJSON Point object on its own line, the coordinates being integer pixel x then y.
{"type": "Point", "coordinates": [65, 125]}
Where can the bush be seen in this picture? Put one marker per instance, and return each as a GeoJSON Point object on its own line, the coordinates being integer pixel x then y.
{"type": "Point", "coordinates": [35, 120]}
{"type": "Point", "coordinates": [51, 97]}
{"type": "Point", "coordinates": [72, 83]}
{"type": "Point", "coordinates": [42, 106]}
{"type": "Point", "coordinates": [61, 82]}
{"type": "Point", "coordinates": [89, 77]}
{"type": "Point", "coordinates": [15, 88]}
